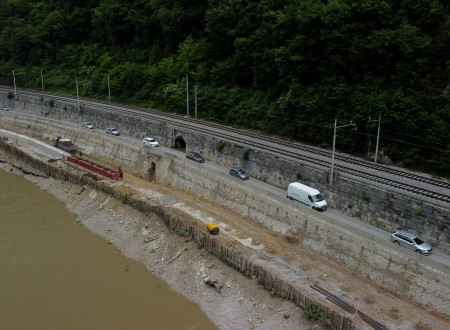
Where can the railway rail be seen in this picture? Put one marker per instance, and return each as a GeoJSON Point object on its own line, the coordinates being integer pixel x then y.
{"type": "Point", "coordinates": [395, 178]}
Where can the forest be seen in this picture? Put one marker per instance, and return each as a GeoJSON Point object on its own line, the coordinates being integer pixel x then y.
{"type": "Point", "coordinates": [287, 68]}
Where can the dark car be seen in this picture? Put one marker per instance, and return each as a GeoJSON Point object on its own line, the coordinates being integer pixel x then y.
{"type": "Point", "coordinates": [239, 173]}
{"type": "Point", "coordinates": [195, 156]}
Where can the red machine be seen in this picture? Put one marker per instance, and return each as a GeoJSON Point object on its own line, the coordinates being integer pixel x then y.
{"type": "Point", "coordinates": [64, 144]}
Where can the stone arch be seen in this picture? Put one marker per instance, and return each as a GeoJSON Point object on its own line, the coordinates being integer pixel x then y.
{"type": "Point", "coordinates": [152, 172]}
{"type": "Point", "coordinates": [180, 143]}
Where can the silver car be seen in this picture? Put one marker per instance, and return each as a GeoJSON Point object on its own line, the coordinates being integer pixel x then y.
{"type": "Point", "coordinates": [87, 125]}
{"type": "Point", "coordinates": [411, 241]}
{"type": "Point", "coordinates": [239, 173]}
{"type": "Point", "coordinates": [112, 130]}
{"type": "Point", "coordinates": [148, 141]}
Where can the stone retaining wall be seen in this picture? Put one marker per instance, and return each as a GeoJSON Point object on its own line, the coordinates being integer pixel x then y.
{"type": "Point", "coordinates": [385, 209]}
{"type": "Point", "coordinates": [394, 268]}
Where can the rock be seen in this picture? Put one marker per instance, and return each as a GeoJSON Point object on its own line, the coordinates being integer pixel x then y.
{"type": "Point", "coordinates": [213, 283]}
{"type": "Point", "coordinates": [290, 237]}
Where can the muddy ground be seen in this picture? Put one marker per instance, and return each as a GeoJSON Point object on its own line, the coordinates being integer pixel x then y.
{"type": "Point", "coordinates": [240, 303]}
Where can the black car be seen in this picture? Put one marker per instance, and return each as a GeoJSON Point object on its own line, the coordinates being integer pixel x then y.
{"type": "Point", "coordinates": [239, 173]}
{"type": "Point", "coordinates": [195, 156]}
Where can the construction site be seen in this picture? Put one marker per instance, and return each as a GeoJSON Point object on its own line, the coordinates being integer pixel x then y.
{"type": "Point", "coordinates": [278, 253]}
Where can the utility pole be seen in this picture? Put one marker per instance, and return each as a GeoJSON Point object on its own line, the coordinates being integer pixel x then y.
{"type": "Point", "coordinates": [332, 155]}
{"type": "Point", "coordinates": [78, 96]}
{"type": "Point", "coordinates": [195, 101]}
{"type": "Point", "coordinates": [187, 96]}
{"type": "Point", "coordinates": [378, 137]}
{"type": "Point", "coordinates": [42, 81]}
{"type": "Point", "coordinates": [334, 144]}
{"type": "Point", "coordinates": [378, 134]}
{"type": "Point", "coordinates": [15, 89]}
{"type": "Point", "coordinates": [109, 91]}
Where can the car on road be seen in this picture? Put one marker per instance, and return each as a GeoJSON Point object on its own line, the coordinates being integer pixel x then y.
{"type": "Point", "coordinates": [112, 130]}
{"type": "Point", "coordinates": [148, 141]}
{"type": "Point", "coordinates": [2, 107]}
{"type": "Point", "coordinates": [411, 241]}
{"type": "Point", "coordinates": [239, 173]}
{"type": "Point", "coordinates": [87, 125]}
{"type": "Point", "coordinates": [195, 156]}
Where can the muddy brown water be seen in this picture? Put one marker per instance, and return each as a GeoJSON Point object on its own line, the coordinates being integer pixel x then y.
{"type": "Point", "coordinates": [56, 274]}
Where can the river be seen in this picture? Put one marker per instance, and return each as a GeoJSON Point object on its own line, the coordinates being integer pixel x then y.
{"type": "Point", "coordinates": [56, 274]}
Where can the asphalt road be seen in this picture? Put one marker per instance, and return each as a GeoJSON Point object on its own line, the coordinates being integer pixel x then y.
{"type": "Point", "coordinates": [265, 189]}
{"type": "Point", "coordinates": [268, 189]}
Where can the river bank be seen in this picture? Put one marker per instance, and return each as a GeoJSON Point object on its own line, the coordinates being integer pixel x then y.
{"type": "Point", "coordinates": [239, 304]}
{"type": "Point", "coordinates": [242, 303]}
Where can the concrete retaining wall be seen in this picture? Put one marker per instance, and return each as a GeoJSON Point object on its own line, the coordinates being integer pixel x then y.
{"type": "Point", "coordinates": [385, 209]}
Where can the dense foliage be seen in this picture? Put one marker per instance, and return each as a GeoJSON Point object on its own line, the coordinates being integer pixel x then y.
{"type": "Point", "coordinates": [285, 67]}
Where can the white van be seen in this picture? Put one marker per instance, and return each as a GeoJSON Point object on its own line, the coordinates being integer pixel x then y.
{"type": "Point", "coordinates": [306, 195]}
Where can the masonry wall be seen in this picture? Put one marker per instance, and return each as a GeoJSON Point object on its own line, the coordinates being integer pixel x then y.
{"type": "Point", "coordinates": [385, 209]}
{"type": "Point", "coordinates": [392, 267]}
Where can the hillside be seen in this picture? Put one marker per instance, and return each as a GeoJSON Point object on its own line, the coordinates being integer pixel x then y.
{"type": "Point", "coordinates": [287, 67]}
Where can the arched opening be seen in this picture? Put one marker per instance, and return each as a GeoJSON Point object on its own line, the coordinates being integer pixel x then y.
{"type": "Point", "coordinates": [152, 172]}
{"type": "Point", "coordinates": [180, 143]}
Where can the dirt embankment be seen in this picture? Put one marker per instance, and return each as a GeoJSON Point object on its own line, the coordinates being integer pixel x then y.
{"type": "Point", "coordinates": [240, 303]}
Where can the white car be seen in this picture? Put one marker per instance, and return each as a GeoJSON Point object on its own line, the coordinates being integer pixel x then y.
{"type": "Point", "coordinates": [87, 125]}
{"type": "Point", "coordinates": [148, 141]}
{"type": "Point", "coordinates": [112, 130]}
{"type": "Point", "coordinates": [2, 107]}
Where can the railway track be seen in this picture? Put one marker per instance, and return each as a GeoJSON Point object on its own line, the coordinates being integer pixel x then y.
{"type": "Point", "coordinates": [387, 176]}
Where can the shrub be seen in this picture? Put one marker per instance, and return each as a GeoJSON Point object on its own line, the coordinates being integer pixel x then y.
{"type": "Point", "coordinates": [51, 102]}
{"type": "Point", "coordinates": [246, 154]}
{"type": "Point", "coordinates": [364, 196]}
{"type": "Point", "coordinates": [311, 312]}
{"type": "Point", "coordinates": [222, 145]}
{"type": "Point", "coordinates": [10, 95]}
{"type": "Point", "coordinates": [419, 212]}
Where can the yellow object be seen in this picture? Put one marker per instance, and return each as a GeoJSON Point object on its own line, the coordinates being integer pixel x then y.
{"type": "Point", "coordinates": [213, 228]}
